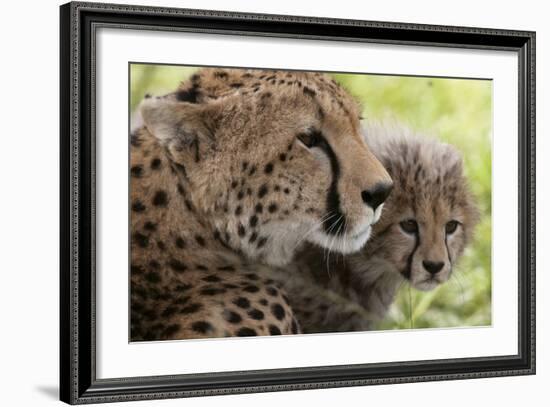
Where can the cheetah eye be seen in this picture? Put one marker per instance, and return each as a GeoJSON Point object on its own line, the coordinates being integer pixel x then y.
{"type": "Point", "coordinates": [451, 226]}
{"type": "Point", "coordinates": [409, 226]}
{"type": "Point", "coordinates": [309, 139]}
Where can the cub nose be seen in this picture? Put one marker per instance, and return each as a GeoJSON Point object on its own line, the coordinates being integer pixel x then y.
{"type": "Point", "coordinates": [376, 195]}
{"type": "Point", "coordinates": [432, 267]}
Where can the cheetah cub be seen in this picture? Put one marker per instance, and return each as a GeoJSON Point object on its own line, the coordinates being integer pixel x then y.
{"type": "Point", "coordinates": [427, 221]}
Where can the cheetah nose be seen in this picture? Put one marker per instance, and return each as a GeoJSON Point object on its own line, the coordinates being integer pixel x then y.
{"type": "Point", "coordinates": [432, 267]}
{"type": "Point", "coordinates": [375, 196]}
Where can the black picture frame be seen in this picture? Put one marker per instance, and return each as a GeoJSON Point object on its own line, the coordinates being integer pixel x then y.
{"type": "Point", "coordinates": [78, 382]}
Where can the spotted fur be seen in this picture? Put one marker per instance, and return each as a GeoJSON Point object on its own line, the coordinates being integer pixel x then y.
{"type": "Point", "coordinates": [225, 186]}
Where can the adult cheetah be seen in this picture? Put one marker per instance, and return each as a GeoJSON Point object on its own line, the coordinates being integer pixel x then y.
{"type": "Point", "coordinates": [230, 174]}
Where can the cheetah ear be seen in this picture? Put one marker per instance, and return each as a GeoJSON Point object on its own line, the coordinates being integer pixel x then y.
{"type": "Point", "coordinates": [180, 124]}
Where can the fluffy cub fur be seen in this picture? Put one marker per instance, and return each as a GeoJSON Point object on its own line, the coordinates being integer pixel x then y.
{"type": "Point", "coordinates": [427, 221]}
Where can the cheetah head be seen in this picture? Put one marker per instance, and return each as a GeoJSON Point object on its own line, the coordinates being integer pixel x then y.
{"type": "Point", "coordinates": [273, 159]}
{"type": "Point", "coordinates": [430, 216]}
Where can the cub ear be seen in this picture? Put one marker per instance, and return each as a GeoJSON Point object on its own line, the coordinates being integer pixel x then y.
{"type": "Point", "coordinates": [179, 123]}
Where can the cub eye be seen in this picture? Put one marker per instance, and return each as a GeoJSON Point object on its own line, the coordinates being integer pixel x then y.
{"type": "Point", "coordinates": [309, 139]}
{"type": "Point", "coordinates": [451, 226]}
{"type": "Point", "coordinates": [409, 226]}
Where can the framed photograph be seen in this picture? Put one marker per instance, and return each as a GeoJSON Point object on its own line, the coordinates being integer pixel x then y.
{"type": "Point", "coordinates": [255, 203]}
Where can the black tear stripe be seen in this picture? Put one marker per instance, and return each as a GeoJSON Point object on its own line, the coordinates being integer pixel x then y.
{"type": "Point", "coordinates": [408, 270]}
{"type": "Point", "coordinates": [337, 220]}
{"type": "Point", "coordinates": [448, 254]}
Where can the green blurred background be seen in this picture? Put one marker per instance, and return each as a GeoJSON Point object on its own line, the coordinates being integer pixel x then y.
{"type": "Point", "coordinates": [457, 111]}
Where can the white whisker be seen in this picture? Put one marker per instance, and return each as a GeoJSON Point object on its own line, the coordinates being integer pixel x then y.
{"type": "Point", "coordinates": [319, 224]}
{"type": "Point", "coordinates": [345, 233]}
{"type": "Point", "coordinates": [326, 249]}
{"type": "Point", "coordinates": [336, 236]}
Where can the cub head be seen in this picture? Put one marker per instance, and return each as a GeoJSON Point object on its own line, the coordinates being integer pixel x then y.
{"type": "Point", "coordinates": [272, 158]}
{"type": "Point", "coordinates": [430, 216]}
